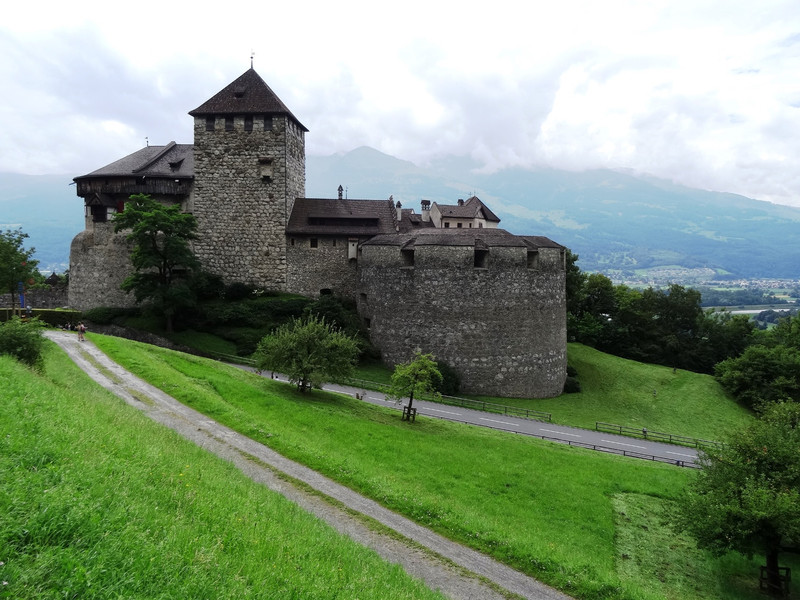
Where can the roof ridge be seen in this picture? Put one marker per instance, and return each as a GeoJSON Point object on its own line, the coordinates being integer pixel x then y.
{"type": "Point", "coordinates": [155, 159]}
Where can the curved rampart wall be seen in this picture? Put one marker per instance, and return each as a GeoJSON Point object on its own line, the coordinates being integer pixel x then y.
{"type": "Point", "coordinates": [502, 327]}
{"type": "Point", "coordinates": [99, 261]}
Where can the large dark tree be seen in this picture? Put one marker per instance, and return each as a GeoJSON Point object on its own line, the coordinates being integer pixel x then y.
{"type": "Point", "coordinates": [16, 264]}
{"type": "Point", "coordinates": [162, 259]}
{"type": "Point", "coordinates": [746, 498]}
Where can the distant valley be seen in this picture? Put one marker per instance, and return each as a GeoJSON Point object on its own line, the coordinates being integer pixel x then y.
{"type": "Point", "coordinates": [626, 226]}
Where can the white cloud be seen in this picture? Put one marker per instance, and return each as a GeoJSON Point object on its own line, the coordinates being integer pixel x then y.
{"type": "Point", "coordinates": [700, 91]}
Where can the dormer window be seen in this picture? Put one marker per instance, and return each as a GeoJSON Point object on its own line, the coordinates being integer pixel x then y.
{"type": "Point", "coordinates": [238, 92]}
{"type": "Point", "coordinates": [175, 165]}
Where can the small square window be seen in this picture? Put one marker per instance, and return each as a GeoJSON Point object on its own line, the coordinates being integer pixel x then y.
{"type": "Point", "coordinates": [314, 243]}
{"type": "Point", "coordinates": [210, 122]}
{"type": "Point", "coordinates": [228, 123]}
{"type": "Point", "coordinates": [458, 225]}
{"type": "Point", "coordinates": [267, 123]}
{"type": "Point", "coordinates": [447, 225]}
{"type": "Point", "coordinates": [248, 123]}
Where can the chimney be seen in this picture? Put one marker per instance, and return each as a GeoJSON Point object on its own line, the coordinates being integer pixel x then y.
{"type": "Point", "coordinates": [426, 210]}
{"type": "Point", "coordinates": [461, 202]}
{"type": "Point", "coordinates": [341, 189]}
{"type": "Point", "coordinates": [399, 211]}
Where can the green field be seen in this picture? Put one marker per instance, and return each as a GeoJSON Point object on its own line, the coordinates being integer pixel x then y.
{"type": "Point", "coordinates": [587, 523]}
{"type": "Point", "coordinates": [633, 394]}
{"type": "Point", "coordinates": [99, 502]}
{"type": "Point", "coordinates": [626, 392]}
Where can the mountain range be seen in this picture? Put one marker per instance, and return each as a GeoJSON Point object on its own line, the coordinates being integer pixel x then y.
{"type": "Point", "coordinates": [621, 224]}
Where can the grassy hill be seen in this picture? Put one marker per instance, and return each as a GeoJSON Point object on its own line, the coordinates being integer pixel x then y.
{"type": "Point", "coordinates": [634, 394]}
{"type": "Point", "coordinates": [588, 523]}
{"type": "Point", "coordinates": [99, 502]}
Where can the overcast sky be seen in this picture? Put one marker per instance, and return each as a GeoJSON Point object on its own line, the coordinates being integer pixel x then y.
{"type": "Point", "coordinates": [703, 92]}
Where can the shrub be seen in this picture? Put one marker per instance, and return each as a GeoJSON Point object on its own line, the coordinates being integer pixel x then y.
{"type": "Point", "coordinates": [23, 341]}
{"type": "Point", "coordinates": [208, 286]}
{"type": "Point", "coordinates": [238, 291]}
{"type": "Point", "coordinates": [106, 315]}
{"type": "Point", "coordinates": [572, 385]}
{"type": "Point", "coordinates": [57, 317]}
{"type": "Point", "coordinates": [451, 383]}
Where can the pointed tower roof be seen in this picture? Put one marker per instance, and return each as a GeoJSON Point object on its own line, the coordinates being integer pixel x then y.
{"type": "Point", "coordinates": [247, 95]}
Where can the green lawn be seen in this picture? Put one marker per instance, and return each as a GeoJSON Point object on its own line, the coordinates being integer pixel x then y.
{"type": "Point", "coordinates": [549, 510]}
{"type": "Point", "coordinates": [99, 502]}
{"type": "Point", "coordinates": [625, 392]}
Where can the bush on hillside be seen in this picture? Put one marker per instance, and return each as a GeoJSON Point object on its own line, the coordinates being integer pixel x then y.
{"type": "Point", "coordinates": [23, 340]}
{"type": "Point", "coordinates": [572, 385]}
{"type": "Point", "coordinates": [107, 315]}
{"type": "Point", "coordinates": [57, 317]}
{"type": "Point", "coordinates": [239, 291]}
{"type": "Point", "coordinates": [451, 382]}
{"type": "Point", "coordinates": [208, 286]}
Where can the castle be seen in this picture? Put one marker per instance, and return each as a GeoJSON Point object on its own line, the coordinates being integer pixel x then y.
{"type": "Point", "coordinates": [445, 280]}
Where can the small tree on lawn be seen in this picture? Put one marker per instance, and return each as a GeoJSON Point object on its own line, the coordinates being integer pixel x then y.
{"type": "Point", "coordinates": [162, 260]}
{"type": "Point", "coordinates": [309, 351]}
{"type": "Point", "coordinates": [746, 498]}
{"type": "Point", "coordinates": [16, 263]}
{"type": "Point", "coordinates": [418, 376]}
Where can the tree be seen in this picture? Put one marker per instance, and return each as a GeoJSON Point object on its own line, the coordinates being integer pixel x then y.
{"type": "Point", "coordinates": [746, 498]}
{"type": "Point", "coordinates": [418, 376]}
{"type": "Point", "coordinates": [16, 264]}
{"type": "Point", "coordinates": [162, 259]}
{"type": "Point", "coordinates": [762, 375]}
{"type": "Point", "coordinates": [309, 351]}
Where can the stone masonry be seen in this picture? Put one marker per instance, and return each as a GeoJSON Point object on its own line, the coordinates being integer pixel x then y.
{"type": "Point", "coordinates": [488, 303]}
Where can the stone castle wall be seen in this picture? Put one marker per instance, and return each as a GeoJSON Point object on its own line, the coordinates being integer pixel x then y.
{"type": "Point", "coordinates": [502, 328]}
{"type": "Point", "coordinates": [99, 261]}
{"type": "Point", "coordinates": [245, 186]}
{"type": "Point", "coordinates": [325, 267]}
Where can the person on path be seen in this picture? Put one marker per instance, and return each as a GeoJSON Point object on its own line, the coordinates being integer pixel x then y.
{"type": "Point", "coordinates": [81, 332]}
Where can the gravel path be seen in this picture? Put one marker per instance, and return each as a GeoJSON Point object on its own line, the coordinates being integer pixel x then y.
{"type": "Point", "coordinates": [457, 571]}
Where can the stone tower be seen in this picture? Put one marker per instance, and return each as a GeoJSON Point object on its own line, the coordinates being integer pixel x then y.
{"type": "Point", "coordinates": [249, 165]}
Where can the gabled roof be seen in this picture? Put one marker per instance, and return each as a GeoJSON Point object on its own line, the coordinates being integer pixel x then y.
{"type": "Point", "coordinates": [323, 216]}
{"type": "Point", "coordinates": [174, 161]}
{"type": "Point", "coordinates": [247, 95]}
{"type": "Point", "coordinates": [471, 209]}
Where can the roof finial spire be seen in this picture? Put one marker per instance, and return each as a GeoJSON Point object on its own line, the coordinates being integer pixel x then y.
{"type": "Point", "coordinates": [252, 54]}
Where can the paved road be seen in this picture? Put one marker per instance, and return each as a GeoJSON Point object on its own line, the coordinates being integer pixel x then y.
{"type": "Point", "coordinates": [587, 438]}
{"type": "Point", "coordinates": [457, 571]}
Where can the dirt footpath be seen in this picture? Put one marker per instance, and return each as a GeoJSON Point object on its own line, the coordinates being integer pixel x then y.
{"type": "Point", "coordinates": [457, 571]}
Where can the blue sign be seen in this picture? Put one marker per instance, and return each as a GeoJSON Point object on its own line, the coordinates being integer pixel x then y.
{"type": "Point", "coordinates": [21, 295]}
